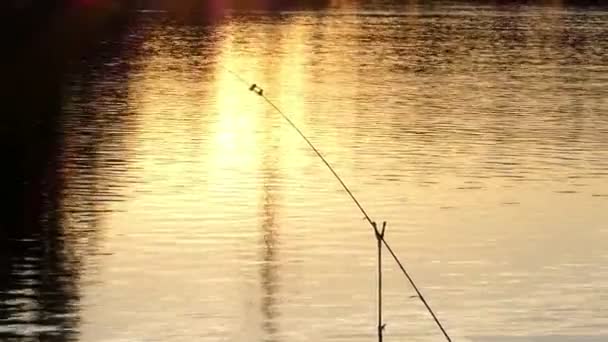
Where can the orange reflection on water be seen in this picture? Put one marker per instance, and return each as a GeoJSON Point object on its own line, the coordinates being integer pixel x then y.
{"type": "Point", "coordinates": [240, 229]}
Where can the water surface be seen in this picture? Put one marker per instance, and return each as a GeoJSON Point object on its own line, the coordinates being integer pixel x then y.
{"type": "Point", "coordinates": [186, 209]}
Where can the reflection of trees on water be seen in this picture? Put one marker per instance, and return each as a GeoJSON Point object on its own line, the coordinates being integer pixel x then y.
{"type": "Point", "coordinates": [202, 11]}
{"type": "Point", "coordinates": [37, 277]}
{"type": "Point", "coordinates": [67, 175]}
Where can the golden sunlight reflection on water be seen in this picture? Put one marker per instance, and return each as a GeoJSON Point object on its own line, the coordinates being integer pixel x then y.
{"type": "Point", "coordinates": [194, 212]}
{"type": "Point", "coordinates": [235, 229]}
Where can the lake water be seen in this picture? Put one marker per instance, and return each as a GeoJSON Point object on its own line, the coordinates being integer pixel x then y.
{"type": "Point", "coordinates": [188, 210]}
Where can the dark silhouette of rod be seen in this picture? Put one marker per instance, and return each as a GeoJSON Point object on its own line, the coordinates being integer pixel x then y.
{"type": "Point", "coordinates": [390, 250]}
{"type": "Point", "coordinates": [260, 92]}
{"type": "Point", "coordinates": [379, 238]}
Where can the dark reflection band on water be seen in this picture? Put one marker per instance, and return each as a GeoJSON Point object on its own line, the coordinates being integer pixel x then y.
{"type": "Point", "coordinates": [39, 283]}
{"type": "Point", "coordinates": [42, 261]}
{"type": "Point", "coordinates": [40, 264]}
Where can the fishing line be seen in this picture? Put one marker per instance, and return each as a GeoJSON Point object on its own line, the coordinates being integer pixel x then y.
{"type": "Point", "coordinates": [260, 92]}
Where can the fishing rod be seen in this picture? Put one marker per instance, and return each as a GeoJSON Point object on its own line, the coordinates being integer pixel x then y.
{"type": "Point", "coordinates": [379, 234]}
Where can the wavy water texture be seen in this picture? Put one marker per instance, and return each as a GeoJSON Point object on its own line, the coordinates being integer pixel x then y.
{"type": "Point", "coordinates": [190, 211]}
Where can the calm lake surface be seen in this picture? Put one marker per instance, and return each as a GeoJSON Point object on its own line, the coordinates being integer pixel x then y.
{"type": "Point", "coordinates": [189, 210]}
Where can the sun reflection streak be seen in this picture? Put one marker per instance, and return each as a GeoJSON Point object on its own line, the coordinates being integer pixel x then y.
{"type": "Point", "coordinates": [251, 136]}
